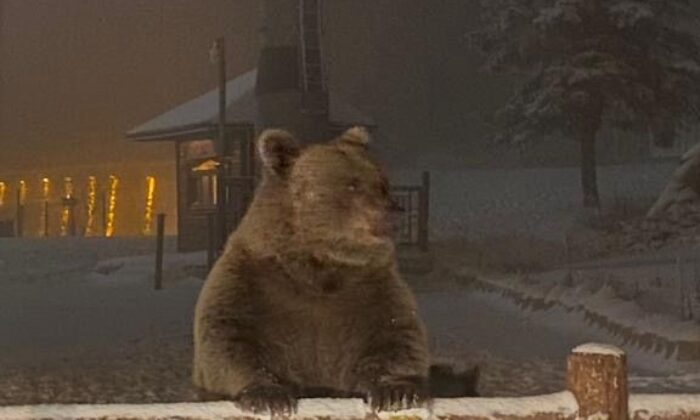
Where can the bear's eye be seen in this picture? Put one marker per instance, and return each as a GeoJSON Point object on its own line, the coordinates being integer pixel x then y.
{"type": "Point", "coordinates": [384, 188]}
{"type": "Point", "coordinates": [353, 185]}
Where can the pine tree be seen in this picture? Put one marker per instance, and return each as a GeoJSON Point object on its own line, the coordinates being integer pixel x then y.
{"type": "Point", "coordinates": [588, 63]}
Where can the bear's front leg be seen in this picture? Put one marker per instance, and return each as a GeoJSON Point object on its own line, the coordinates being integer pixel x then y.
{"type": "Point", "coordinates": [228, 362]}
{"type": "Point", "coordinates": [393, 371]}
{"type": "Point", "coordinates": [230, 354]}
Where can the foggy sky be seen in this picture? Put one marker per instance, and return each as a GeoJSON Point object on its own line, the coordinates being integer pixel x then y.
{"type": "Point", "coordinates": [77, 74]}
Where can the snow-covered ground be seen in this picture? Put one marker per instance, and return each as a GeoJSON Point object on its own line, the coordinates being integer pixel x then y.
{"type": "Point", "coordinates": [80, 322]}
{"type": "Point", "coordinates": [59, 296]}
{"type": "Point", "coordinates": [532, 346]}
{"type": "Point", "coordinates": [541, 202]}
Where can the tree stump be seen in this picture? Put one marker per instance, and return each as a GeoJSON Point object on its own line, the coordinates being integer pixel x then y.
{"type": "Point", "coordinates": [597, 376]}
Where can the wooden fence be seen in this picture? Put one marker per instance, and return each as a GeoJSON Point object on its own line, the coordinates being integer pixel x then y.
{"type": "Point", "coordinates": [596, 390]}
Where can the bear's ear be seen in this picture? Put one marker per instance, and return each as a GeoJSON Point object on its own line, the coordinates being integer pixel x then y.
{"type": "Point", "coordinates": [278, 149]}
{"type": "Point", "coordinates": [356, 137]}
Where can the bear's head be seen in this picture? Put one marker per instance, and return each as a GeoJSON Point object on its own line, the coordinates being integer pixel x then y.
{"type": "Point", "coordinates": [337, 196]}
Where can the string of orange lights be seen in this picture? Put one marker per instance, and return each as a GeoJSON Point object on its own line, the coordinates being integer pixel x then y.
{"type": "Point", "coordinates": [43, 201]}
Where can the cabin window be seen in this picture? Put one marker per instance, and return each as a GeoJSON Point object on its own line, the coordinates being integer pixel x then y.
{"type": "Point", "coordinates": [202, 185]}
{"type": "Point", "coordinates": [202, 191]}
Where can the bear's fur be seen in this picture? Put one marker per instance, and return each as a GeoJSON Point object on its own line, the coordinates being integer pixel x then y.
{"type": "Point", "coordinates": [306, 299]}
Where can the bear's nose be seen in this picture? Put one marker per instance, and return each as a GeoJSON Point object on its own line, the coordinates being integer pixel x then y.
{"type": "Point", "coordinates": [394, 206]}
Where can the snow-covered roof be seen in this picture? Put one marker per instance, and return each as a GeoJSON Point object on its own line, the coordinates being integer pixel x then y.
{"type": "Point", "coordinates": [202, 113]}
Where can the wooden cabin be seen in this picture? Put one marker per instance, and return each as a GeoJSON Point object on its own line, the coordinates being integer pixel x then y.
{"type": "Point", "coordinates": [288, 89]}
{"type": "Point", "coordinates": [193, 130]}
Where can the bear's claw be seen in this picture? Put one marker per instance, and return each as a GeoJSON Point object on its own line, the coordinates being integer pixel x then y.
{"type": "Point", "coordinates": [275, 399]}
{"type": "Point", "coordinates": [397, 396]}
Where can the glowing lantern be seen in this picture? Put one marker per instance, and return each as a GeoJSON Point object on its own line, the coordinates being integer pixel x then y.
{"type": "Point", "coordinates": [22, 192]}
{"type": "Point", "coordinates": [45, 192]}
{"type": "Point", "coordinates": [112, 205]}
{"type": "Point", "coordinates": [3, 192]}
{"type": "Point", "coordinates": [45, 188]}
{"type": "Point", "coordinates": [68, 188]}
{"type": "Point", "coordinates": [91, 201]}
{"type": "Point", "coordinates": [67, 213]}
{"type": "Point", "coordinates": [150, 195]}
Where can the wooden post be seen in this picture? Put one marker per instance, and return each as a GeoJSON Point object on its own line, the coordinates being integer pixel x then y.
{"type": "Point", "coordinates": [219, 57]}
{"type": "Point", "coordinates": [252, 161]}
{"type": "Point", "coordinates": [69, 206]}
{"type": "Point", "coordinates": [46, 218]}
{"type": "Point", "coordinates": [244, 167]}
{"type": "Point", "coordinates": [19, 216]}
{"type": "Point", "coordinates": [597, 376]}
{"type": "Point", "coordinates": [423, 212]}
{"type": "Point", "coordinates": [160, 236]}
{"type": "Point", "coordinates": [211, 240]}
{"type": "Point", "coordinates": [103, 197]}
{"type": "Point", "coordinates": [180, 195]}
{"type": "Point", "coordinates": [247, 177]}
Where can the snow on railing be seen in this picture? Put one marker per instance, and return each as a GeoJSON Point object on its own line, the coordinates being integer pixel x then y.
{"type": "Point", "coordinates": [596, 382]}
{"type": "Point", "coordinates": [555, 406]}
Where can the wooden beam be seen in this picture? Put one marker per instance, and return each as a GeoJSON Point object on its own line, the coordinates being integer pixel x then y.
{"type": "Point", "coordinates": [560, 406]}
{"type": "Point", "coordinates": [596, 379]}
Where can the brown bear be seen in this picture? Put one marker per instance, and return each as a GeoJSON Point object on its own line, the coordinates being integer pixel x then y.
{"type": "Point", "coordinates": [306, 299]}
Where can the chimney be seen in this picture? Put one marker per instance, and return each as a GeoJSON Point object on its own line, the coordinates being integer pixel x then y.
{"type": "Point", "coordinates": [279, 83]}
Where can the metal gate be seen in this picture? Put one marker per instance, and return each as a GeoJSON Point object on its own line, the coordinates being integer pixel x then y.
{"type": "Point", "coordinates": [410, 222]}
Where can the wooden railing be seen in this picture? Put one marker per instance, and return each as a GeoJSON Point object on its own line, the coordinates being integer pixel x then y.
{"type": "Point", "coordinates": [596, 389]}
